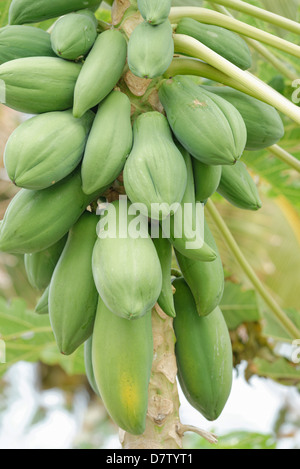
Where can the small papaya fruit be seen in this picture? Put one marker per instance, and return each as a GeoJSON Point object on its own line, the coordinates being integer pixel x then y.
{"type": "Point", "coordinates": [88, 364]}
{"type": "Point", "coordinates": [42, 306]}
{"type": "Point", "coordinates": [207, 179]}
{"type": "Point", "coordinates": [154, 12]}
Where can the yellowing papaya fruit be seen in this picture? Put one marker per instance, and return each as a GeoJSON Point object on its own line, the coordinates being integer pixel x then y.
{"type": "Point", "coordinates": [210, 129]}
{"type": "Point", "coordinates": [203, 353]}
{"type": "Point", "coordinates": [109, 143]}
{"type": "Point", "coordinates": [42, 306]}
{"type": "Point", "coordinates": [154, 12]}
{"type": "Point", "coordinates": [46, 148]}
{"type": "Point", "coordinates": [88, 364]}
{"type": "Point", "coordinates": [101, 71]}
{"type": "Point", "coordinates": [150, 49]}
{"type": "Point", "coordinates": [155, 174]}
{"type": "Point", "coordinates": [122, 356]}
{"type": "Point", "coordinates": [73, 296]}
{"type": "Point", "coordinates": [207, 180]}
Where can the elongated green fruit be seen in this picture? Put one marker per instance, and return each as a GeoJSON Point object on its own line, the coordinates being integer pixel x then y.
{"type": "Point", "coordinates": [155, 12]}
{"type": "Point", "coordinates": [46, 148]}
{"type": "Point", "coordinates": [39, 266]}
{"type": "Point", "coordinates": [238, 187]}
{"type": "Point", "coordinates": [101, 71]}
{"type": "Point", "coordinates": [73, 296]}
{"type": "Point", "coordinates": [122, 356]}
{"type": "Point", "coordinates": [88, 364]}
{"type": "Point", "coordinates": [210, 129]}
{"type": "Point", "coordinates": [27, 11]}
{"type": "Point", "coordinates": [155, 174]}
{"type": "Point", "coordinates": [150, 49]}
{"type": "Point", "coordinates": [205, 279]}
{"type": "Point", "coordinates": [109, 143]}
{"type": "Point", "coordinates": [222, 41]}
{"type": "Point", "coordinates": [126, 268]}
{"type": "Point", "coordinates": [42, 306]}
{"type": "Point", "coordinates": [203, 353]}
{"type": "Point", "coordinates": [17, 42]}
{"type": "Point", "coordinates": [38, 84]}
{"type": "Point", "coordinates": [207, 180]}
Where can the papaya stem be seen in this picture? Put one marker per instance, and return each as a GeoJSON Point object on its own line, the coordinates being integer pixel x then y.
{"type": "Point", "coordinates": [281, 316]}
{"type": "Point", "coordinates": [285, 156]}
{"type": "Point", "coordinates": [210, 437]}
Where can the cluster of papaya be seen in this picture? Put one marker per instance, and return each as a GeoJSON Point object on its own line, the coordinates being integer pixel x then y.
{"type": "Point", "coordinates": [99, 290]}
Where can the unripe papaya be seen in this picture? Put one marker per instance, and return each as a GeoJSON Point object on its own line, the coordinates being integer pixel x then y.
{"type": "Point", "coordinates": [155, 174]}
{"type": "Point", "coordinates": [205, 279]}
{"type": "Point", "coordinates": [150, 49]}
{"type": "Point", "coordinates": [73, 296]}
{"type": "Point", "coordinates": [207, 180]}
{"type": "Point", "coordinates": [238, 187]}
{"type": "Point", "coordinates": [101, 71]}
{"type": "Point", "coordinates": [122, 356]}
{"type": "Point", "coordinates": [46, 148]}
{"type": "Point", "coordinates": [222, 41]}
{"type": "Point", "coordinates": [203, 353]}
{"type": "Point", "coordinates": [39, 266]}
{"type": "Point", "coordinates": [27, 11]}
{"type": "Point", "coordinates": [17, 42]}
{"type": "Point", "coordinates": [38, 84]}
{"type": "Point", "coordinates": [42, 306]}
{"type": "Point", "coordinates": [73, 35]}
{"type": "Point", "coordinates": [126, 268]}
{"type": "Point", "coordinates": [109, 143]}
{"type": "Point", "coordinates": [88, 364]}
{"type": "Point", "coordinates": [210, 129]}
{"type": "Point", "coordinates": [154, 12]}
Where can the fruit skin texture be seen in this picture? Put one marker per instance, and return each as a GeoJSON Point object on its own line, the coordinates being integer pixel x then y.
{"type": "Point", "coordinates": [17, 42]}
{"type": "Point", "coordinates": [109, 143]}
{"type": "Point", "coordinates": [122, 356]}
{"type": "Point", "coordinates": [155, 171]}
{"type": "Point", "coordinates": [150, 49]}
{"type": "Point", "coordinates": [73, 296]}
{"type": "Point", "coordinates": [42, 305]}
{"type": "Point", "coordinates": [222, 41]}
{"type": "Point", "coordinates": [46, 148]}
{"type": "Point", "coordinates": [89, 371]}
{"type": "Point", "coordinates": [127, 270]}
{"type": "Point", "coordinates": [238, 187]}
{"type": "Point", "coordinates": [204, 354]}
{"type": "Point", "coordinates": [207, 180]}
{"type": "Point", "coordinates": [101, 71]}
{"type": "Point", "coordinates": [39, 84]}
{"type": "Point", "coordinates": [210, 129]}
{"type": "Point", "coordinates": [154, 12]}
{"type": "Point", "coordinates": [27, 11]}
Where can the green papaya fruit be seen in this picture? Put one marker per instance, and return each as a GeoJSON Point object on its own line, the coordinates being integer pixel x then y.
{"type": "Point", "coordinates": [101, 71]}
{"type": "Point", "coordinates": [203, 353]}
{"type": "Point", "coordinates": [38, 84]}
{"type": "Point", "coordinates": [205, 279]}
{"type": "Point", "coordinates": [210, 129]}
{"type": "Point", "coordinates": [17, 42]}
{"type": "Point", "coordinates": [27, 11]}
{"type": "Point", "coordinates": [222, 41]}
{"type": "Point", "coordinates": [207, 179]}
{"type": "Point", "coordinates": [154, 12]}
{"type": "Point", "coordinates": [88, 364]}
{"type": "Point", "coordinates": [263, 122]}
{"type": "Point", "coordinates": [150, 49]}
{"type": "Point", "coordinates": [73, 296]}
{"type": "Point", "coordinates": [42, 306]}
{"type": "Point", "coordinates": [155, 174]}
{"type": "Point", "coordinates": [126, 268]}
{"type": "Point", "coordinates": [73, 35]}
{"type": "Point", "coordinates": [39, 266]}
{"type": "Point", "coordinates": [37, 163]}
{"type": "Point", "coordinates": [109, 143]}
{"type": "Point", "coordinates": [122, 356]}
{"type": "Point", "coordinates": [238, 187]}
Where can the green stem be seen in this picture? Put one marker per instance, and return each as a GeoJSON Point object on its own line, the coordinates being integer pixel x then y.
{"type": "Point", "coordinates": [285, 156]}
{"type": "Point", "coordinates": [284, 320]}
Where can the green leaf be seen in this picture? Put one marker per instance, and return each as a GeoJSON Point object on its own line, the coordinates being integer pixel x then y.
{"type": "Point", "coordinates": [239, 305]}
{"type": "Point", "coordinates": [273, 329]}
{"type": "Point", "coordinates": [187, 3]}
{"type": "Point", "coordinates": [281, 370]}
{"type": "Point", "coordinates": [237, 440]}
{"type": "Point", "coordinates": [4, 8]}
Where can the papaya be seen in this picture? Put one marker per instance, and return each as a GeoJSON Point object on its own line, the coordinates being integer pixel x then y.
{"type": "Point", "coordinates": [37, 163]}
{"type": "Point", "coordinates": [207, 179]}
{"type": "Point", "coordinates": [122, 357]}
{"type": "Point", "coordinates": [109, 143]}
{"type": "Point", "coordinates": [88, 364]}
{"type": "Point", "coordinates": [27, 11]}
{"type": "Point", "coordinates": [155, 174]}
{"type": "Point", "coordinates": [205, 279]}
{"type": "Point", "coordinates": [126, 266]}
{"type": "Point", "coordinates": [263, 122]}
{"type": "Point", "coordinates": [150, 49]}
{"type": "Point", "coordinates": [17, 42]}
{"type": "Point", "coordinates": [154, 12]}
{"type": "Point", "coordinates": [203, 353]}
{"type": "Point", "coordinates": [73, 35]}
{"type": "Point", "coordinates": [34, 85]}
{"type": "Point", "coordinates": [224, 42]}
{"type": "Point", "coordinates": [101, 71]}
{"type": "Point", "coordinates": [210, 129]}
{"type": "Point", "coordinates": [73, 296]}
{"type": "Point", "coordinates": [39, 266]}
{"type": "Point", "coordinates": [238, 187]}
{"type": "Point", "coordinates": [42, 307]}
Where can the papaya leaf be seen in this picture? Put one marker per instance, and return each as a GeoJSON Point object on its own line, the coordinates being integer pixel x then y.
{"type": "Point", "coordinates": [239, 305]}
{"type": "Point", "coordinates": [4, 8]}
{"type": "Point", "coordinates": [186, 3]}
{"type": "Point", "coordinates": [273, 329]}
{"type": "Point", "coordinates": [281, 371]}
